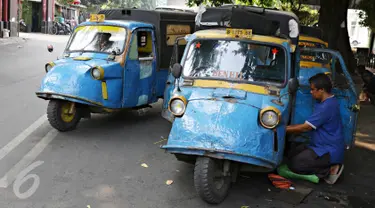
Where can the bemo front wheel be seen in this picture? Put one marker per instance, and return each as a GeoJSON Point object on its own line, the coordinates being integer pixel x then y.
{"type": "Point", "coordinates": [63, 115]}
{"type": "Point", "coordinates": [209, 180]}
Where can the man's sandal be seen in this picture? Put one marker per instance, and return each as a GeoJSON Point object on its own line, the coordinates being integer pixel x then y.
{"type": "Point", "coordinates": [332, 178]}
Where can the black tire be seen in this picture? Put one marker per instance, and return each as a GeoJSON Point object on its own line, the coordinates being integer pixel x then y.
{"type": "Point", "coordinates": [54, 115]}
{"type": "Point", "coordinates": [205, 185]}
{"type": "Point", "coordinates": [54, 30]}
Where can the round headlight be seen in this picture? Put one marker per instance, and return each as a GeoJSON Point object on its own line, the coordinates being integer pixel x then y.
{"type": "Point", "coordinates": [269, 118]}
{"type": "Point", "coordinates": [97, 73]}
{"type": "Point", "coordinates": [177, 107]}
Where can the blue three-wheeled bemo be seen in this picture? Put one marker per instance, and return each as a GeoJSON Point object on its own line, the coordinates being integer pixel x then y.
{"type": "Point", "coordinates": [112, 62]}
{"type": "Point", "coordinates": [236, 89]}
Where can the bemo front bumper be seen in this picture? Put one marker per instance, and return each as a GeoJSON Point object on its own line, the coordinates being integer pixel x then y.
{"type": "Point", "coordinates": [225, 130]}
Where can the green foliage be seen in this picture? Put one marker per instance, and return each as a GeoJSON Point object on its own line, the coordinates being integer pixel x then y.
{"type": "Point", "coordinates": [64, 2]}
{"type": "Point", "coordinates": [26, 12]}
{"type": "Point", "coordinates": [368, 13]}
{"type": "Point", "coordinates": [306, 15]}
{"type": "Point", "coordinates": [265, 3]}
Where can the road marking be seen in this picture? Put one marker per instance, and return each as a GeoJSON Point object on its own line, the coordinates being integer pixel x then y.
{"type": "Point", "coordinates": [160, 141]}
{"type": "Point", "coordinates": [10, 176]}
{"type": "Point", "coordinates": [22, 177]}
{"type": "Point", "coordinates": [22, 136]}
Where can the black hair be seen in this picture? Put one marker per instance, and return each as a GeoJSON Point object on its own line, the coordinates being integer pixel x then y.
{"type": "Point", "coordinates": [321, 81]}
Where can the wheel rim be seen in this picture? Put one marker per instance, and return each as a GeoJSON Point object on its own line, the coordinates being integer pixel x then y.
{"type": "Point", "coordinates": [65, 115]}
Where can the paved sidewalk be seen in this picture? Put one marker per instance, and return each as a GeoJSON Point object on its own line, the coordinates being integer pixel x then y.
{"type": "Point", "coordinates": [45, 37]}
{"type": "Point", "coordinates": [12, 40]}
{"type": "Point", "coordinates": [23, 37]}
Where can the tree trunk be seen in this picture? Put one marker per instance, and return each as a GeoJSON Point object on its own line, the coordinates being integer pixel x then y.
{"type": "Point", "coordinates": [332, 14]}
{"type": "Point", "coordinates": [345, 48]}
{"type": "Point", "coordinates": [372, 39]}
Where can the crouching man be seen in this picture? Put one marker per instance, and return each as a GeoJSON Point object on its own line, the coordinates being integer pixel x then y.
{"type": "Point", "coordinates": [324, 155]}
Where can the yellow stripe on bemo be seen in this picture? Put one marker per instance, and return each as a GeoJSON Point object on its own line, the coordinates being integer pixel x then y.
{"type": "Point", "coordinates": [311, 64]}
{"type": "Point", "coordinates": [225, 84]}
{"type": "Point", "coordinates": [104, 91]}
{"type": "Point", "coordinates": [82, 58]}
{"type": "Point", "coordinates": [101, 28]}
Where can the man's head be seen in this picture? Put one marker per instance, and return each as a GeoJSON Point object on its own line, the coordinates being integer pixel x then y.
{"type": "Point", "coordinates": [104, 38]}
{"type": "Point", "coordinates": [321, 86]}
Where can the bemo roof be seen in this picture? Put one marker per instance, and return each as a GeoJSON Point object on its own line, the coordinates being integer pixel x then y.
{"type": "Point", "coordinates": [262, 21]}
{"type": "Point", "coordinates": [220, 33]}
{"type": "Point", "coordinates": [312, 34]}
{"type": "Point", "coordinates": [120, 23]}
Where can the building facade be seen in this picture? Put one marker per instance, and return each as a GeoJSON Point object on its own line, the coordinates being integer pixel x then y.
{"type": "Point", "coordinates": [37, 14]}
{"type": "Point", "coordinates": [359, 35]}
{"type": "Point", "coordinates": [8, 16]}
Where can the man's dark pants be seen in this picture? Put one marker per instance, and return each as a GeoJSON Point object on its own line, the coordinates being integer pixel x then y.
{"type": "Point", "coordinates": [303, 160]}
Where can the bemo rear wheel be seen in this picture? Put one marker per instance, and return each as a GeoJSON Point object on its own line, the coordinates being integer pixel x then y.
{"type": "Point", "coordinates": [63, 115]}
{"type": "Point", "coordinates": [209, 180]}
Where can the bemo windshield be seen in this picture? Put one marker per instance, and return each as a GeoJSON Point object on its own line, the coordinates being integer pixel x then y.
{"type": "Point", "coordinates": [234, 60]}
{"type": "Point", "coordinates": [319, 57]}
{"type": "Point", "coordinates": [98, 38]}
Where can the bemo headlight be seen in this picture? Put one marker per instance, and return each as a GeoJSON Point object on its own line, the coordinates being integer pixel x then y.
{"type": "Point", "coordinates": [49, 66]}
{"type": "Point", "coordinates": [269, 117]}
{"type": "Point", "coordinates": [177, 105]}
{"type": "Point", "coordinates": [97, 72]}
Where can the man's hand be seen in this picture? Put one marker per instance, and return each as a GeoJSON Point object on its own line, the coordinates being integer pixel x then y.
{"type": "Point", "coordinates": [298, 128]}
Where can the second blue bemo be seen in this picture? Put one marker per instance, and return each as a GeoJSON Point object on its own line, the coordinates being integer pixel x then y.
{"type": "Point", "coordinates": [109, 65]}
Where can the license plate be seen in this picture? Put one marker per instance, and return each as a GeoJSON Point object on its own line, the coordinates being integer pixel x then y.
{"type": "Point", "coordinates": [240, 33]}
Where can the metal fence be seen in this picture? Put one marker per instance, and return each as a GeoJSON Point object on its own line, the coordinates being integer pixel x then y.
{"type": "Point", "coordinates": [370, 62]}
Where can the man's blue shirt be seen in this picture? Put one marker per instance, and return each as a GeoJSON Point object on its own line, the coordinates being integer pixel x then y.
{"type": "Point", "coordinates": [327, 135]}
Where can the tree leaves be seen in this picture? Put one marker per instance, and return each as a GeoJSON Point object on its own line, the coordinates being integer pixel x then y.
{"type": "Point", "coordinates": [368, 16]}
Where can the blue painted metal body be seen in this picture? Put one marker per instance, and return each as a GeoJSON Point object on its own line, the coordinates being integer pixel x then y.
{"type": "Point", "coordinates": [227, 129]}
{"type": "Point", "coordinates": [306, 73]}
{"type": "Point", "coordinates": [232, 129]}
{"type": "Point", "coordinates": [127, 86]}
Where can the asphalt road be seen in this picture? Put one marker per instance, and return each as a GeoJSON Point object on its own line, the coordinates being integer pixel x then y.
{"type": "Point", "coordinates": [99, 165]}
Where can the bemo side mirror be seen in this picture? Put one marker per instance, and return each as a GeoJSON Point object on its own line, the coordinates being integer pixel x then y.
{"type": "Point", "coordinates": [293, 85]}
{"type": "Point", "coordinates": [50, 48]}
{"type": "Point", "coordinates": [176, 70]}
